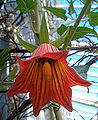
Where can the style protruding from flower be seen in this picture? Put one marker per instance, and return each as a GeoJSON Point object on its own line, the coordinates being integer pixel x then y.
{"type": "Point", "coordinates": [47, 77]}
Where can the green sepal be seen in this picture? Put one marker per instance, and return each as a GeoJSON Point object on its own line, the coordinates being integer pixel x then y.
{"type": "Point", "coordinates": [43, 34]}
{"type": "Point", "coordinates": [28, 46]}
{"type": "Point", "coordinates": [62, 39]}
{"type": "Point", "coordinates": [59, 12]}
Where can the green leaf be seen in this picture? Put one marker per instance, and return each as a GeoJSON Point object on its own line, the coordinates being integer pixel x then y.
{"type": "Point", "coordinates": [71, 8]}
{"type": "Point", "coordinates": [43, 34]}
{"type": "Point", "coordinates": [62, 39]}
{"type": "Point", "coordinates": [80, 32]}
{"type": "Point", "coordinates": [13, 72]}
{"type": "Point", "coordinates": [93, 18]}
{"type": "Point", "coordinates": [59, 12]}
{"type": "Point", "coordinates": [30, 4]}
{"type": "Point", "coordinates": [25, 44]}
{"type": "Point", "coordinates": [61, 29]}
{"type": "Point", "coordinates": [25, 5]}
{"type": "Point", "coordinates": [3, 57]}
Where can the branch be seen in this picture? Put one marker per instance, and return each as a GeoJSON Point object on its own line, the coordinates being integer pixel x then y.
{"type": "Point", "coordinates": [17, 51]}
{"type": "Point", "coordinates": [19, 109]}
{"type": "Point", "coordinates": [84, 48]}
{"type": "Point", "coordinates": [3, 91]}
{"type": "Point", "coordinates": [92, 61]}
{"type": "Point", "coordinates": [20, 15]}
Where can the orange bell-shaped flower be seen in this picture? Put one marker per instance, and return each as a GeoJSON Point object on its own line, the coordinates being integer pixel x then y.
{"type": "Point", "coordinates": [47, 77]}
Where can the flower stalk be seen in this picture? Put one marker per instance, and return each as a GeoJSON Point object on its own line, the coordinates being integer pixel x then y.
{"type": "Point", "coordinates": [57, 113]}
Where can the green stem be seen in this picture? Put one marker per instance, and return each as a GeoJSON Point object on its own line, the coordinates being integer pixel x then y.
{"type": "Point", "coordinates": [77, 23]}
{"type": "Point", "coordinates": [34, 18]}
{"type": "Point", "coordinates": [57, 113]}
{"type": "Point", "coordinates": [37, 16]}
{"type": "Point", "coordinates": [31, 21]}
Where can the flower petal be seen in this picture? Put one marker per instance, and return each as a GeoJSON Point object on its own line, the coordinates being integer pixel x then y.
{"type": "Point", "coordinates": [61, 92]}
{"type": "Point", "coordinates": [24, 81]}
{"type": "Point", "coordinates": [40, 93]}
{"type": "Point", "coordinates": [22, 64]}
{"type": "Point", "coordinates": [71, 77]}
